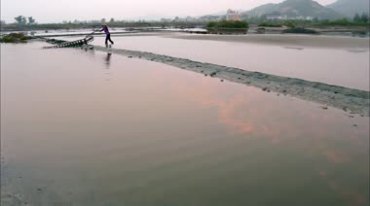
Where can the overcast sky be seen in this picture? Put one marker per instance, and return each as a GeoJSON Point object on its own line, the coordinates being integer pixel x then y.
{"type": "Point", "coordinates": [46, 11]}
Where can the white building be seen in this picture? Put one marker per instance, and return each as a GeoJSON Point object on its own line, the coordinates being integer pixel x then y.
{"type": "Point", "coordinates": [232, 15]}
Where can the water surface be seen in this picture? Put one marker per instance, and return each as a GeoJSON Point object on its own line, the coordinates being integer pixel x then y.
{"type": "Point", "coordinates": [88, 128]}
{"type": "Point", "coordinates": [347, 67]}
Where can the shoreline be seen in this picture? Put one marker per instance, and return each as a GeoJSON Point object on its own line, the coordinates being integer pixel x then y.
{"type": "Point", "coordinates": [306, 40]}
{"type": "Point", "coordinates": [323, 41]}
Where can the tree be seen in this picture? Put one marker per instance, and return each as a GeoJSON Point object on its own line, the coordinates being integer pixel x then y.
{"type": "Point", "coordinates": [357, 18]}
{"type": "Point", "coordinates": [111, 20]}
{"type": "Point", "coordinates": [176, 19]}
{"type": "Point", "coordinates": [21, 20]}
{"type": "Point", "coordinates": [290, 24]}
{"type": "Point", "coordinates": [31, 20]}
{"type": "Point", "coordinates": [103, 21]}
{"type": "Point", "coordinates": [364, 18]}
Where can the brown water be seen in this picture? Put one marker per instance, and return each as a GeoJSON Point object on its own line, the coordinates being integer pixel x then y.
{"type": "Point", "coordinates": [347, 67]}
{"type": "Point", "coordinates": [86, 128]}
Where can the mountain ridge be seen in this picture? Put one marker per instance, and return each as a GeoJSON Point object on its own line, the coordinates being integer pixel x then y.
{"type": "Point", "coordinates": [304, 9]}
{"type": "Point", "coordinates": [350, 8]}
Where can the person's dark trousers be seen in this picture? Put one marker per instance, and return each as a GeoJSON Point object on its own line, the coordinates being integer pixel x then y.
{"type": "Point", "coordinates": [107, 38]}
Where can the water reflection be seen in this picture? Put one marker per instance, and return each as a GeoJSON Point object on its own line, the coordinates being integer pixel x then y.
{"type": "Point", "coordinates": [357, 50]}
{"type": "Point", "coordinates": [238, 113]}
{"type": "Point", "coordinates": [351, 69]}
{"type": "Point", "coordinates": [107, 59]}
{"type": "Point", "coordinates": [152, 133]}
{"type": "Point", "coordinates": [294, 48]}
{"type": "Point", "coordinates": [107, 72]}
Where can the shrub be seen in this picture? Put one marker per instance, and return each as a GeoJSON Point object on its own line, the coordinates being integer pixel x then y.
{"type": "Point", "coordinates": [299, 30]}
{"type": "Point", "coordinates": [228, 27]}
{"type": "Point", "coordinates": [14, 38]}
{"type": "Point", "coordinates": [266, 24]}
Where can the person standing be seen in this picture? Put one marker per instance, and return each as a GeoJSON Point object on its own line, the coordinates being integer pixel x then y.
{"type": "Point", "coordinates": [107, 34]}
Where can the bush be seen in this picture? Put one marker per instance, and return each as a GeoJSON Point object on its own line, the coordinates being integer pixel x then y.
{"type": "Point", "coordinates": [14, 38]}
{"type": "Point", "coordinates": [266, 24]}
{"type": "Point", "coordinates": [228, 24]}
{"type": "Point", "coordinates": [228, 27]}
{"type": "Point", "coordinates": [299, 30]}
{"type": "Point", "coordinates": [290, 24]}
{"type": "Point", "coordinates": [344, 22]}
{"type": "Point", "coordinates": [212, 24]}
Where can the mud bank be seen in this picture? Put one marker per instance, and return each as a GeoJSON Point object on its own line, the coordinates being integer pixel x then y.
{"type": "Point", "coordinates": [350, 100]}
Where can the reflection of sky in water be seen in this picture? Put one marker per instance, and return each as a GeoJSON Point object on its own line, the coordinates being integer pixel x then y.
{"type": "Point", "coordinates": [156, 135]}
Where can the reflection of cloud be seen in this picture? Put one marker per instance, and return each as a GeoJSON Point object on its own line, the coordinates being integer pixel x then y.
{"type": "Point", "coordinates": [322, 173]}
{"type": "Point", "coordinates": [232, 107]}
{"type": "Point", "coordinates": [229, 109]}
{"type": "Point", "coordinates": [336, 157]}
{"type": "Point", "coordinates": [300, 126]}
{"type": "Point", "coordinates": [355, 198]}
{"type": "Point", "coordinates": [239, 112]}
{"type": "Point", "coordinates": [228, 114]}
{"type": "Point", "coordinates": [351, 196]}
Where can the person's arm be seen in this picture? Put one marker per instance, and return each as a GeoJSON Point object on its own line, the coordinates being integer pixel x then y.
{"type": "Point", "coordinates": [97, 30]}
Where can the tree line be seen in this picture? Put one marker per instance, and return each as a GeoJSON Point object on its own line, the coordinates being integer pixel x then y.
{"type": "Point", "coordinates": [22, 20]}
{"type": "Point", "coordinates": [29, 23]}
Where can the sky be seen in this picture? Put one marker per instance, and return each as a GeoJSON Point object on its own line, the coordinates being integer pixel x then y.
{"type": "Point", "coordinates": [50, 11]}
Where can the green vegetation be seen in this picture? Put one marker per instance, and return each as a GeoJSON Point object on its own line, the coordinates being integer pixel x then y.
{"type": "Point", "coordinates": [291, 24]}
{"type": "Point", "coordinates": [269, 24]}
{"type": "Point", "coordinates": [359, 23]}
{"type": "Point", "coordinates": [299, 30]}
{"type": "Point", "coordinates": [26, 24]}
{"type": "Point", "coordinates": [224, 26]}
{"type": "Point", "coordinates": [21, 20]}
{"type": "Point", "coordinates": [14, 38]}
{"type": "Point", "coordinates": [228, 24]}
{"type": "Point", "coordinates": [361, 20]}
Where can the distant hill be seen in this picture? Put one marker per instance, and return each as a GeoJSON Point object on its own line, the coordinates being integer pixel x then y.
{"type": "Point", "coordinates": [350, 7]}
{"type": "Point", "coordinates": [299, 9]}
{"type": "Point", "coordinates": [261, 10]}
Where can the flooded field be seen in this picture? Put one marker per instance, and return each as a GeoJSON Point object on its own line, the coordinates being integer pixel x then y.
{"type": "Point", "coordinates": [89, 128]}
{"type": "Point", "coordinates": [347, 66]}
